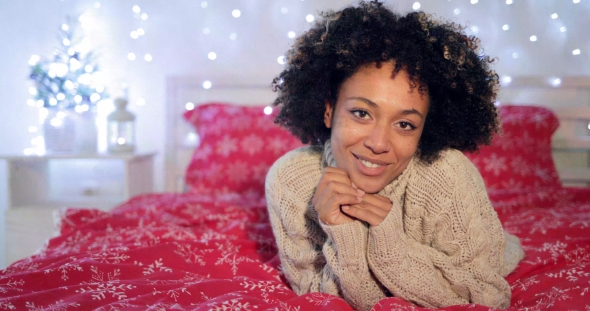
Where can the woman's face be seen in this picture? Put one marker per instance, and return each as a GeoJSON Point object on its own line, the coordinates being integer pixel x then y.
{"type": "Point", "coordinates": [376, 125]}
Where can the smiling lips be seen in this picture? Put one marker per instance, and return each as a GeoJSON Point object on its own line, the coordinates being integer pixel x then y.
{"type": "Point", "coordinates": [369, 167]}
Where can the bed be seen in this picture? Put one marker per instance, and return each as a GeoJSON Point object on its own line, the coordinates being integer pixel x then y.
{"type": "Point", "coordinates": [206, 244]}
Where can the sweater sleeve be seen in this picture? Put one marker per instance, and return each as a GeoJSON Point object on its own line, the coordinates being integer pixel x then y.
{"type": "Point", "coordinates": [317, 257]}
{"type": "Point", "coordinates": [461, 260]}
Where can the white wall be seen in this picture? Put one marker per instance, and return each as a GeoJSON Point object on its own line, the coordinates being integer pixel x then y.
{"type": "Point", "coordinates": [174, 37]}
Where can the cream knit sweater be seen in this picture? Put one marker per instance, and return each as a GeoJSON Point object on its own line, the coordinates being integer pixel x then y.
{"type": "Point", "coordinates": [441, 244]}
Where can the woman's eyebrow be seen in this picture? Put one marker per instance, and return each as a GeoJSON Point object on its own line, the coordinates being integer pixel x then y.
{"type": "Point", "coordinates": [372, 104]}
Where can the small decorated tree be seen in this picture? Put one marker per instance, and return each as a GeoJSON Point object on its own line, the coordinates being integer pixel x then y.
{"type": "Point", "coordinates": [67, 89]}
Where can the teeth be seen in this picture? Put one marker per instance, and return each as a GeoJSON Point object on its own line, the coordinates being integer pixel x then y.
{"type": "Point", "coordinates": [369, 164]}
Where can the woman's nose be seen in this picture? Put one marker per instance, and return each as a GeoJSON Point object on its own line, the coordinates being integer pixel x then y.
{"type": "Point", "coordinates": [378, 139]}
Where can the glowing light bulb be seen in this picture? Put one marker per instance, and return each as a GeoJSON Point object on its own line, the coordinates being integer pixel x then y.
{"type": "Point", "coordinates": [309, 18]}
{"type": "Point", "coordinates": [576, 52]}
{"type": "Point", "coordinates": [60, 96]}
{"type": "Point", "coordinates": [131, 56]}
{"type": "Point", "coordinates": [533, 38]}
{"type": "Point", "coordinates": [66, 42]}
{"type": "Point", "coordinates": [189, 106]}
{"type": "Point", "coordinates": [33, 91]}
{"type": "Point", "coordinates": [474, 1]}
{"type": "Point", "coordinates": [140, 31]}
{"type": "Point", "coordinates": [291, 34]}
{"type": "Point", "coordinates": [563, 29]}
{"type": "Point", "coordinates": [121, 141]}
{"type": "Point", "coordinates": [136, 9]}
{"type": "Point", "coordinates": [282, 60]}
{"type": "Point", "coordinates": [416, 6]}
{"type": "Point", "coordinates": [94, 97]}
{"type": "Point", "coordinates": [457, 11]}
{"type": "Point", "coordinates": [134, 34]}
{"type": "Point", "coordinates": [236, 13]}
{"type": "Point", "coordinates": [60, 115]}
{"type": "Point", "coordinates": [556, 82]}
{"type": "Point", "coordinates": [144, 16]}
{"type": "Point", "coordinates": [140, 101]}
{"type": "Point", "coordinates": [207, 84]}
{"type": "Point", "coordinates": [514, 55]}
{"type": "Point", "coordinates": [88, 68]}
{"type": "Point", "coordinates": [576, 1]}
{"type": "Point", "coordinates": [33, 60]}
{"type": "Point", "coordinates": [77, 99]}
{"type": "Point", "coordinates": [212, 55]}
{"type": "Point", "coordinates": [474, 29]}
{"type": "Point", "coordinates": [554, 16]}
{"type": "Point", "coordinates": [32, 129]}
{"type": "Point", "coordinates": [267, 110]}
{"type": "Point", "coordinates": [505, 27]}
{"type": "Point", "coordinates": [147, 57]}
{"type": "Point", "coordinates": [509, 2]}
{"type": "Point", "coordinates": [65, 27]}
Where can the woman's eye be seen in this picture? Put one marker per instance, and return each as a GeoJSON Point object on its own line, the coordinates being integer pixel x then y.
{"type": "Point", "coordinates": [360, 113]}
{"type": "Point", "coordinates": [406, 126]}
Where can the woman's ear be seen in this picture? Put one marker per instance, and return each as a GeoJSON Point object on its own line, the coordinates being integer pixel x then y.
{"type": "Point", "coordinates": [328, 115]}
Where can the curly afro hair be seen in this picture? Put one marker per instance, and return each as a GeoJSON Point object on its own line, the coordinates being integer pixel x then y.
{"type": "Point", "coordinates": [441, 60]}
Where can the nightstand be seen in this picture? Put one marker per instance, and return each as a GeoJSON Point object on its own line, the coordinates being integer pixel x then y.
{"type": "Point", "coordinates": [39, 185]}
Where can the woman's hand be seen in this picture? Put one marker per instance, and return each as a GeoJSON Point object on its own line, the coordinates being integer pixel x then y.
{"type": "Point", "coordinates": [334, 193]}
{"type": "Point", "coordinates": [373, 209]}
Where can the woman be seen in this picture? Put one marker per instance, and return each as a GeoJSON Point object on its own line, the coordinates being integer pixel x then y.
{"type": "Point", "coordinates": [383, 202]}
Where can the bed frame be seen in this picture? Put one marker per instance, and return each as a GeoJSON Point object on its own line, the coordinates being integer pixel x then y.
{"type": "Point", "coordinates": [570, 100]}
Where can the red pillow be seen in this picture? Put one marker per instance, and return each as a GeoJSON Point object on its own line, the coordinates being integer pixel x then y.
{"type": "Point", "coordinates": [238, 144]}
{"type": "Point", "coordinates": [521, 157]}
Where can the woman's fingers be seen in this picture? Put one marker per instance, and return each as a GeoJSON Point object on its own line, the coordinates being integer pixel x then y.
{"type": "Point", "coordinates": [364, 214]}
{"type": "Point", "coordinates": [331, 178]}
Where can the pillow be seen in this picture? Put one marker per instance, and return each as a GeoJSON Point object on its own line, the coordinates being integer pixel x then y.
{"type": "Point", "coordinates": [520, 158]}
{"type": "Point", "coordinates": [238, 144]}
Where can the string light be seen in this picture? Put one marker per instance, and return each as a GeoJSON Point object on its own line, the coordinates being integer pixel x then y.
{"type": "Point", "coordinates": [309, 18]}
{"type": "Point", "coordinates": [236, 13]}
{"type": "Point", "coordinates": [189, 106]}
{"type": "Point", "coordinates": [533, 38]}
{"type": "Point", "coordinates": [416, 6]}
{"type": "Point", "coordinates": [134, 34]}
{"type": "Point", "coordinates": [207, 84]}
{"type": "Point", "coordinates": [457, 11]}
{"type": "Point", "coordinates": [140, 31]}
{"type": "Point", "coordinates": [505, 27]}
{"type": "Point", "coordinates": [515, 55]}
{"type": "Point", "coordinates": [140, 101]}
{"type": "Point", "coordinates": [282, 60]}
{"type": "Point", "coordinates": [576, 1]}
{"type": "Point", "coordinates": [474, 1]}
{"type": "Point", "coordinates": [65, 27]}
{"type": "Point", "coordinates": [509, 2]}
{"type": "Point", "coordinates": [556, 82]}
{"type": "Point", "coordinates": [147, 57]}
{"type": "Point", "coordinates": [131, 56]}
{"type": "Point", "coordinates": [267, 110]}
{"type": "Point", "coordinates": [136, 9]}
{"type": "Point", "coordinates": [212, 55]}
{"type": "Point", "coordinates": [554, 16]}
{"type": "Point", "coordinates": [562, 29]}
{"type": "Point", "coordinates": [576, 52]}
{"type": "Point", "coordinates": [291, 34]}
{"type": "Point", "coordinates": [144, 16]}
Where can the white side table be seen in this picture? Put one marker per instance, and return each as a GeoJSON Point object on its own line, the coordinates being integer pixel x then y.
{"type": "Point", "coordinates": [39, 185]}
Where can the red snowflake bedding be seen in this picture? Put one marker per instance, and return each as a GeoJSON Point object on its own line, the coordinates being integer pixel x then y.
{"type": "Point", "coordinates": [213, 248]}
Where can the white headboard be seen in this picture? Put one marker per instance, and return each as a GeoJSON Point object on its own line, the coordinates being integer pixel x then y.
{"type": "Point", "coordinates": [181, 139]}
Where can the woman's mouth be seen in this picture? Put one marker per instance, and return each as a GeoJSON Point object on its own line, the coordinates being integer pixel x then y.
{"type": "Point", "coordinates": [368, 167]}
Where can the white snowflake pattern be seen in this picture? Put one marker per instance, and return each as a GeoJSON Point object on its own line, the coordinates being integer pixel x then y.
{"type": "Point", "coordinates": [164, 307]}
{"type": "Point", "coordinates": [7, 283]}
{"type": "Point", "coordinates": [64, 270]}
{"type": "Point", "coordinates": [112, 256]}
{"type": "Point", "coordinates": [7, 305]}
{"type": "Point", "coordinates": [189, 254]}
{"type": "Point", "coordinates": [520, 166]}
{"type": "Point", "coordinates": [157, 266]}
{"type": "Point", "coordinates": [495, 164]}
{"type": "Point", "coordinates": [203, 153]}
{"type": "Point", "coordinates": [571, 274]}
{"type": "Point", "coordinates": [252, 144]}
{"type": "Point", "coordinates": [265, 286]}
{"type": "Point", "coordinates": [99, 287]}
{"type": "Point", "coordinates": [231, 305]}
{"type": "Point", "coordinates": [59, 305]}
{"type": "Point", "coordinates": [230, 256]}
{"type": "Point", "coordinates": [524, 285]}
{"type": "Point", "coordinates": [179, 233]}
{"type": "Point", "coordinates": [226, 146]}
{"type": "Point", "coordinates": [580, 257]}
{"type": "Point", "coordinates": [548, 299]}
{"type": "Point", "coordinates": [286, 307]}
{"type": "Point", "coordinates": [238, 171]}
{"type": "Point", "coordinates": [319, 299]}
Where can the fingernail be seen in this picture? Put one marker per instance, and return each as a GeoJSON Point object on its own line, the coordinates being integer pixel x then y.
{"type": "Point", "coordinates": [345, 207]}
{"type": "Point", "coordinates": [359, 198]}
{"type": "Point", "coordinates": [354, 186]}
{"type": "Point", "coordinates": [360, 192]}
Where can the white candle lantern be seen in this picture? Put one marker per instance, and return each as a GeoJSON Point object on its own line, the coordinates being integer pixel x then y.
{"type": "Point", "coordinates": [121, 128]}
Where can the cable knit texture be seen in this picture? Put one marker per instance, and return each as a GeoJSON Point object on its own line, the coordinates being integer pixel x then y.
{"type": "Point", "coordinates": [441, 244]}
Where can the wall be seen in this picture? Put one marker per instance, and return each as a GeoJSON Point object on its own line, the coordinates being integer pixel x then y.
{"type": "Point", "coordinates": [175, 37]}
